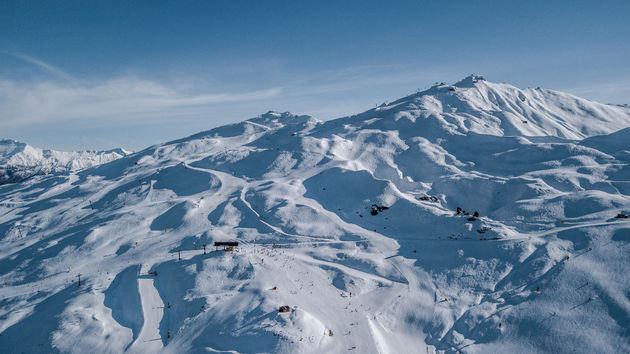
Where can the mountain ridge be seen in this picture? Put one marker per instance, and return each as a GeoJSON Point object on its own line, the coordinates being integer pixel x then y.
{"type": "Point", "coordinates": [19, 161]}
{"type": "Point", "coordinates": [477, 105]}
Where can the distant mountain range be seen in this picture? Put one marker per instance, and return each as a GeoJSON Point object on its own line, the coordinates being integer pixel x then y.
{"type": "Point", "coordinates": [19, 161]}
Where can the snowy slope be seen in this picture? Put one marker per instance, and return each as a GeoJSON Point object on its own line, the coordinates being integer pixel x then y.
{"type": "Point", "coordinates": [352, 223]}
{"type": "Point", "coordinates": [19, 161]}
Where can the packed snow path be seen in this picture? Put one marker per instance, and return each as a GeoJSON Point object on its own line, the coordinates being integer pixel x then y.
{"type": "Point", "coordinates": [149, 340]}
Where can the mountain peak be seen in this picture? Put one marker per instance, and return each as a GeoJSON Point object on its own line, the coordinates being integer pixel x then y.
{"type": "Point", "coordinates": [275, 115]}
{"type": "Point", "coordinates": [274, 119]}
{"type": "Point", "coordinates": [10, 146]}
{"type": "Point", "coordinates": [469, 81]}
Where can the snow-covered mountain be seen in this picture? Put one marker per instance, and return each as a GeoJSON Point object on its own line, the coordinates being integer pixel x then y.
{"type": "Point", "coordinates": [479, 106]}
{"type": "Point", "coordinates": [19, 161]}
{"type": "Point", "coordinates": [475, 217]}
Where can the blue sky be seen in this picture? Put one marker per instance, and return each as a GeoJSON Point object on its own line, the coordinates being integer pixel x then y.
{"type": "Point", "coordinates": [102, 74]}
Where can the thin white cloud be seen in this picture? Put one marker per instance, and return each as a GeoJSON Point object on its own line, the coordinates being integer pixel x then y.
{"type": "Point", "coordinates": [121, 99]}
{"type": "Point", "coordinates": [379, 79]}
{"type": "Point", "coordinates": [134, 100]}
{"type": "Point", "coordinates": [610, 92]}
{"type": "Point", "coordinates": [43, 65]}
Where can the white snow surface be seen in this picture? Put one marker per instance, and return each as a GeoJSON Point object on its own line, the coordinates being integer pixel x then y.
{"type": "Point", "coordinates": [19, 161]}
{"type": "Point", "coordinates": [543, 268]}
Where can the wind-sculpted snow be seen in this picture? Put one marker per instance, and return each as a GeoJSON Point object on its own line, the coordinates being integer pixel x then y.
{"type": "Point", "coordinates": [475, 217]}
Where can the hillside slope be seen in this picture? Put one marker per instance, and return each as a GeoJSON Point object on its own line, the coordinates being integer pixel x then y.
{"type": "Point", "coordinates": [364, 226]}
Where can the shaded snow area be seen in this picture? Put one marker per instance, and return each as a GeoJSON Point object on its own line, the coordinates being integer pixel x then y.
{"type": "Point", "coordinates": [474, 217]}
{"type": "Point", "coordinates": [19, 161]}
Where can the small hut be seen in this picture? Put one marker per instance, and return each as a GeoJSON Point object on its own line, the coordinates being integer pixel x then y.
{"type": "Point", "coordinates": [227, 245]}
